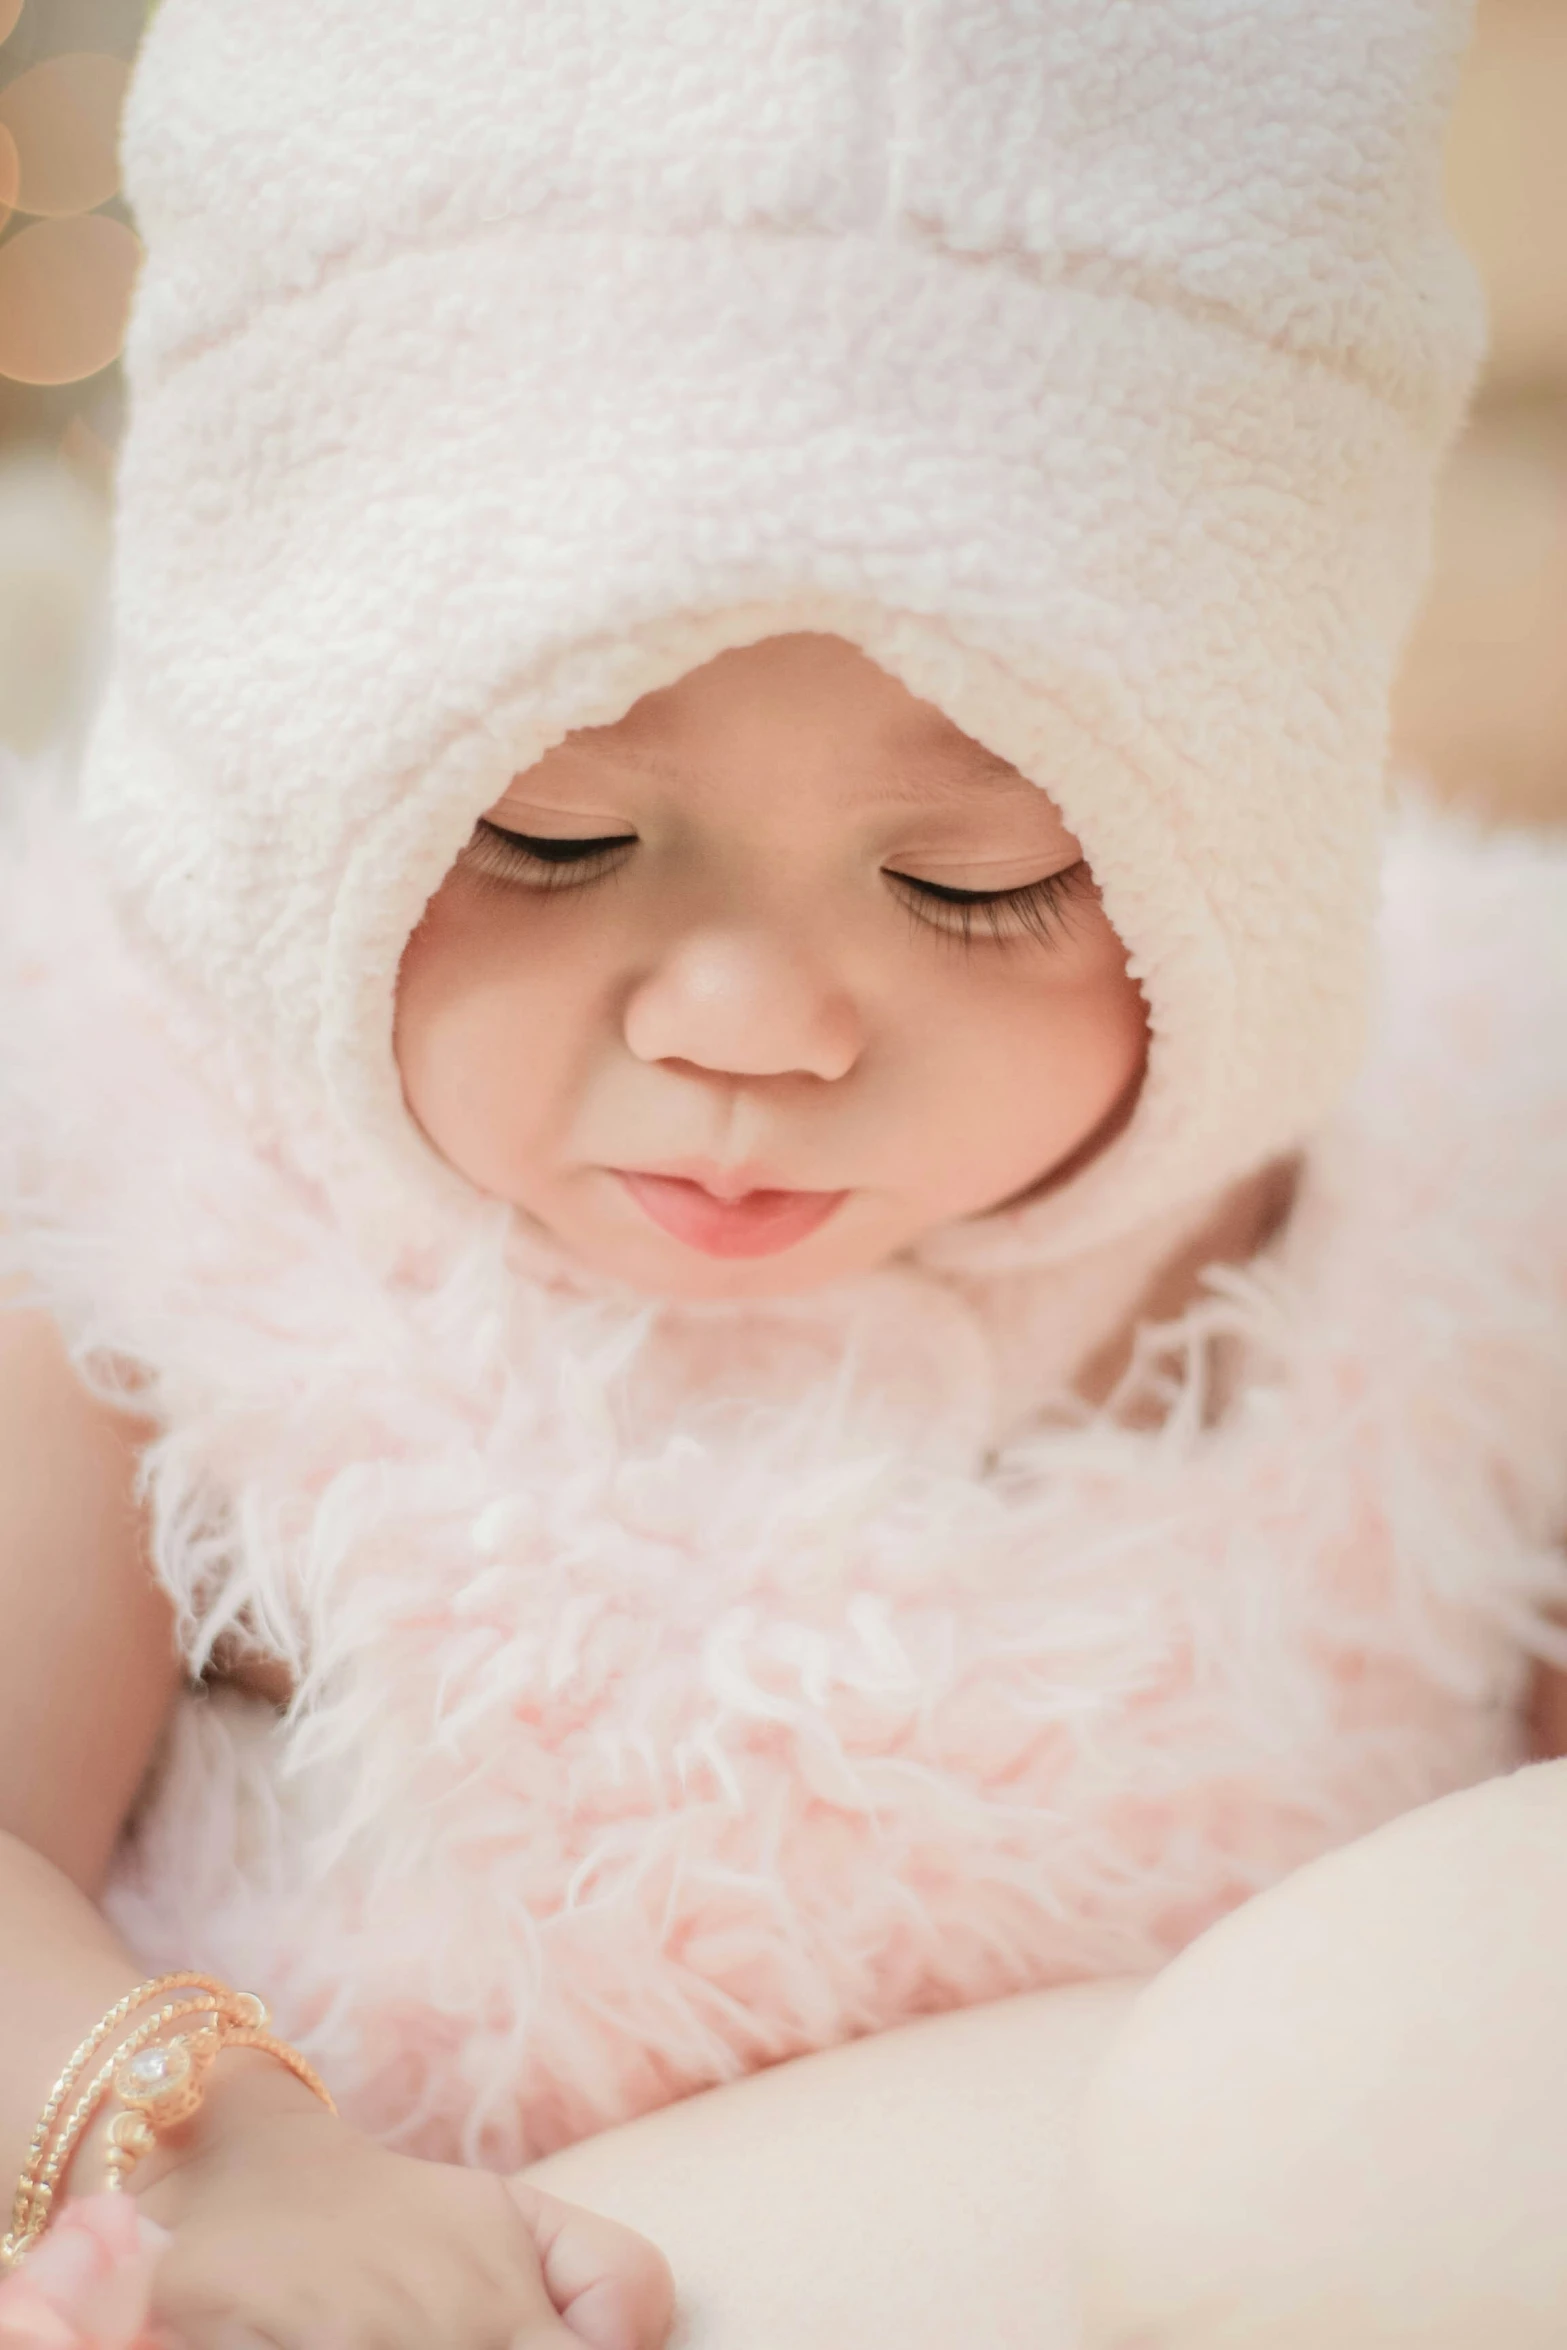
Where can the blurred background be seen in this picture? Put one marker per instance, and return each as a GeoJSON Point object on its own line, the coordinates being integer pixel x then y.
{"type": "Point", "coordinates": [1483, 705]}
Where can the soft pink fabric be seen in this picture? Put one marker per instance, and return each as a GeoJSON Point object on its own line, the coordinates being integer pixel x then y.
{"type": "Point", "coordinates": [681, 1690]}
{"type": "Point", "coordinates": [88, 2284]}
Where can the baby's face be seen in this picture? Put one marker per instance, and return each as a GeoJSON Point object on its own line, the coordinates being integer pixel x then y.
{"type": "Point", "coordinates": [751, 989]}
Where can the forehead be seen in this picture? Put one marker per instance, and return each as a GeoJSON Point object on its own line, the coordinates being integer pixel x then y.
{"type": "Point", "coordinates": [813, 703]}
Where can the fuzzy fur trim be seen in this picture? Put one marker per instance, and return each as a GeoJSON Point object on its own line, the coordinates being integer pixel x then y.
{"type": "Point", "coordinates": [683, 1689]}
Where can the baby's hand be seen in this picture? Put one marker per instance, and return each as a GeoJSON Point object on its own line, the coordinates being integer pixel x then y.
{"type": "Point", "coordinates": [298, 2233]}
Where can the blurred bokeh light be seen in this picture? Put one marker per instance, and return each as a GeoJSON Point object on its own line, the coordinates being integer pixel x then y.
{"type": "Point", "coordinates": [68, 256]}
{"type": "Point", "coordinates": [67, 248]}
{"type": "Point", "coordinates": [63, 118]}
{"type": "Point", "coordinates": [65, 291]}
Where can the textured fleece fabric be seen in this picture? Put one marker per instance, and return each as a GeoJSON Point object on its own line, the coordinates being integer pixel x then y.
{"type": "Point", "coordinates": [683, 1688]}
{"type": "Point", "coordinates": [1085, 361]}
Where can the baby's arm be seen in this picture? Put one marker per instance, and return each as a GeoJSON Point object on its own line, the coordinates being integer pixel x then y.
{"type": "Point", "coordinates": [87, 1673]}
{"type": "Point", "coordinates": [913, 2191]}
{"type": "Point", "coordinates": [282, 2216]}
{"type": "Point", "coordinates": [1341, 2116]}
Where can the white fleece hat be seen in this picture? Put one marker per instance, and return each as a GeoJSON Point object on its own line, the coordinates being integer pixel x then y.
{"type": "Point", "coordinates": [1087, 362]}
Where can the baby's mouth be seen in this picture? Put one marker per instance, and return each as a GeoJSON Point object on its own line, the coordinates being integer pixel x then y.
{"type": "Point", "coordinates": [757, 1223]}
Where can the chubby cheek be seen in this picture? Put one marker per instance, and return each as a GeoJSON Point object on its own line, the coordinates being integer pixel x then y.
{"type": "Point", "coordinates": [1033, 1063]}
{"type": "Point", "coordinates": [491, 1036]}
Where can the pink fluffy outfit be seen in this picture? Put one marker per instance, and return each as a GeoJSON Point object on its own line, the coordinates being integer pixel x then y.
{"type": "Point", "coordinates": [679, 1689]}
{"type": "Point", "coordinates": [683, 1688]}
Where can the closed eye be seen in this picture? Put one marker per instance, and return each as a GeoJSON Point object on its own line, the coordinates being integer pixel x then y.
{"type": "Point", "coordinates": [1037, 909]}
{"type": "Point", "coordinates": [541, 863]}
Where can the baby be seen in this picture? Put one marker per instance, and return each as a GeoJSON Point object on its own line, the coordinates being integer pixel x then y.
{"type": "Point", "coordinates": [755, 989]}
{"type": "Point", "coordinates": [778, 1307]}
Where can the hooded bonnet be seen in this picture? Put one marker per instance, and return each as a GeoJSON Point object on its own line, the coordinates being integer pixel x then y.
{"type": "Point", "coordinates": [1086, 362]}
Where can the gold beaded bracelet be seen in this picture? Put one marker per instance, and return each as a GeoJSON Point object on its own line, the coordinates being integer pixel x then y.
{"type": "Point", "coordinates": [35, 2190]}
{"type": "Point", "coordinates": [36, 2185]}
{"type": "Point", "coordinates": [161, 2086]}
{"type": "Point", "coordinates": [89, 2048]}
{"type": "Point", "coordinates": [159, 2083]}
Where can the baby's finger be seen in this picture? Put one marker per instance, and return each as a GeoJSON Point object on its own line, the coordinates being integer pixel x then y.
{"type": "Point", "coordinates": [612, 2287]}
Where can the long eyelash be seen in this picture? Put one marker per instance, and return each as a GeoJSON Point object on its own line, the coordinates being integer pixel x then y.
{"type": "Point", "coordinates": [1039, 909]}
{"type": "Point", "coordinates": [498, 855]}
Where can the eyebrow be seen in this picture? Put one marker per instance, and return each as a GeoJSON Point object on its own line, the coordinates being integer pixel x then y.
{"type": "Point", "coordinates": [936, 764]}
{"type": "Point", "coordinates": [938, 738]}
{"type": "Point", "coordinates": [941, 762]}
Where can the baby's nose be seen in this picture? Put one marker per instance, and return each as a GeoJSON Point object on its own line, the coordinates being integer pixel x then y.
{"type": "Point", "coordinates": [739, 1004]}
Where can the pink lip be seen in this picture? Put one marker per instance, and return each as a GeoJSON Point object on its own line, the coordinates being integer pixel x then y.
{"type": "Point", "coordinates": [756, 1224]}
